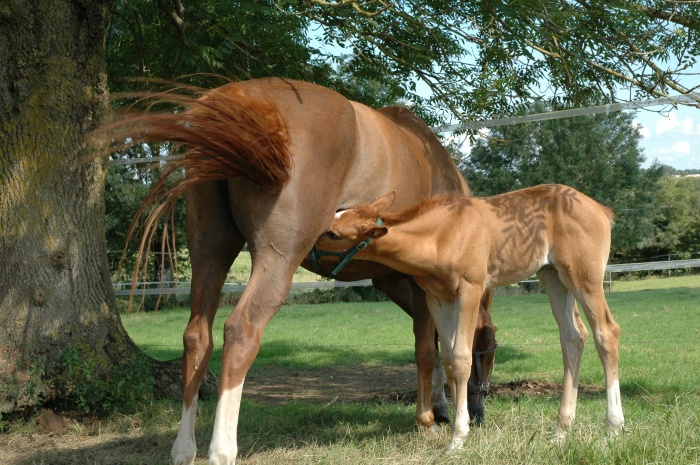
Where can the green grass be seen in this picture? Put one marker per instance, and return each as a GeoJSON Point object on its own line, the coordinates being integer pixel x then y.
{"type": "Point", "coordinates": [240, 271]}
{"type": "Point", "coordinates": [660, 379]}
{"type": "Point", "coordinates": [660, 382]}
{"type": "Point", "coordinates": [299, 336]}
{"type": "Point", "coordinates": [656, 282]}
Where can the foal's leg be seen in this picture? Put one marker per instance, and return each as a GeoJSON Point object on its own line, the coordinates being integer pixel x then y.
{"type": "Point", "coordinates": [606, 334]}
{"type": "Point", "coordinates": [456, 322]}
{"type": "Point", "coordinates": [214, 242]}
{"type": "Point", "coordinates": [572, 336]}
{"type": "Point", "coordinates": [405, 293]}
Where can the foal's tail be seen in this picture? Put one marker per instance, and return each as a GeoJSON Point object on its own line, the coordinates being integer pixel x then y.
{"type": "Point", "coordinates": [609, 213]}
{"type": "Point", "coordinates": [221, 135]}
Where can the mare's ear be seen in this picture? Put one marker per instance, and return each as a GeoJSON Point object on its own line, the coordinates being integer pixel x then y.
{"type": "Point", "coordinates": [384, 202]}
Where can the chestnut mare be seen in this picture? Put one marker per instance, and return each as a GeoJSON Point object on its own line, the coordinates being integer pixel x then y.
{"type": "Point", "coordinates": [457, 247]}
{"type": "Point", "coordinates": [269, 162]}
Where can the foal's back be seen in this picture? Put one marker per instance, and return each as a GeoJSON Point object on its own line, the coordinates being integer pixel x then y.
{"type": "Point", "coordinates": [550, 224]}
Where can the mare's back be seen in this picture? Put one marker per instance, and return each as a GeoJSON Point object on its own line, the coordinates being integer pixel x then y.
{"type": "Point", "coordinates": [444, 173]}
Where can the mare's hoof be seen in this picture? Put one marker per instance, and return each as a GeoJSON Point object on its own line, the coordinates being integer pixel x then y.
{"type": "Point", "coordinates": [441, 414]}
{"type": "Point", "coordinates": [428, 429]}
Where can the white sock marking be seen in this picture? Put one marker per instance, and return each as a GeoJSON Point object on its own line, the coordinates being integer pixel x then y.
{"type": "Point", "coordinates": [224, 446]}
{"type": "Point", "coordinates": [615, 418]}
{"type": "Point", "coordinates": [184, 449]}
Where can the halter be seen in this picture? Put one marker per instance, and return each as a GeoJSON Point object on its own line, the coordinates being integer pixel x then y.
{"type": "Point", "coordinates": [482, 385]}
{"type": "Point", "coordinates": [345, 255]}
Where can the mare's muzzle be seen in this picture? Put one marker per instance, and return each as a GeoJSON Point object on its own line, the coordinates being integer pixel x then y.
{"type": "Point", "coordinates": [476, 392]}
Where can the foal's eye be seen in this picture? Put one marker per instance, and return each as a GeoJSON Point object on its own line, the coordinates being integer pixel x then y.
{"type": "Point", "coordinates": [332, 236]}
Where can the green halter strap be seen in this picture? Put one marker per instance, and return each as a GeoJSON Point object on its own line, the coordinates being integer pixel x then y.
{"type": "Point", "coordinates": [345, 256]}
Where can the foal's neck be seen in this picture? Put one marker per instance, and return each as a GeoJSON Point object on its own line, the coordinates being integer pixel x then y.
{"type": "Point", "coordinates": [411, 246]}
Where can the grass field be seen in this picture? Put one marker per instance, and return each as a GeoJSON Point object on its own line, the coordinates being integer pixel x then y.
{"type": "Point", "coordinates": [660, 382]}
{"type": "Point", "coordinates": [240, 271]}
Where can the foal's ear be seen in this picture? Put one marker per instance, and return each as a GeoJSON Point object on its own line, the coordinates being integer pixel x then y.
{"type": "Point", "coordinates": [377, 232]}
{"type": "Point", "coordinates": [384, 202]}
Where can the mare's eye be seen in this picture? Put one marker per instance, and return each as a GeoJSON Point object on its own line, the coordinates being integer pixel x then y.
{"type": "Point", "coordinates": [332, 236]}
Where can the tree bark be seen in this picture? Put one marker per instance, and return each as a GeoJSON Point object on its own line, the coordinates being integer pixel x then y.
{"type": "Point", "coordinates": [55, 289]}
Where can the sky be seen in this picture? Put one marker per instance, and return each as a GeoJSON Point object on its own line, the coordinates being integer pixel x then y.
{"type": "Point", "coordinates": [672, 137]}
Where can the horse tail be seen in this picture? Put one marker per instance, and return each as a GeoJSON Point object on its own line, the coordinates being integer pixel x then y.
{"type": "Point", "coordinates": [221, 135]}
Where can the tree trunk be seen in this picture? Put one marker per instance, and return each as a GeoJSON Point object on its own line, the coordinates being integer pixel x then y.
{"type": "Point", "coordinates": [55, 290]}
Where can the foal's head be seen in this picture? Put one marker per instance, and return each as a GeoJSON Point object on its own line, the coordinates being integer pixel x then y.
{"type": "Point", "coordinates": [371, 221]}
{"type": "Point", "coordinates": [356, 224]}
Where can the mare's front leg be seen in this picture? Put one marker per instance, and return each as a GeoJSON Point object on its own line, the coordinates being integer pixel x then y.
{"type": "Point", "coordinates": [456, 318]}
{"type": "Point", "coordinates": [214, 242]}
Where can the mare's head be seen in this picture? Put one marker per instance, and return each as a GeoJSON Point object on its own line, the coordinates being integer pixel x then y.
{"type": "Point", "coordinates": [352, 226]}
{"type": "Point", "coordinates": [483, 360]}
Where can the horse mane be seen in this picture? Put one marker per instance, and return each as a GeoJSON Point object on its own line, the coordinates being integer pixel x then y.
{"type": "Point", "coordinates": [391, 219]}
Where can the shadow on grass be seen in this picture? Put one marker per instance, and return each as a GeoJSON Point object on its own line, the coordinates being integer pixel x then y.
{"type": "Point", "coordinates": [123, 450]}
{"type": "Point", "coordinates": [505, 354]}
{"type": "Point", "coordinates": [261, 428]}
{"type": "Point", "coordinates": [298, 424]}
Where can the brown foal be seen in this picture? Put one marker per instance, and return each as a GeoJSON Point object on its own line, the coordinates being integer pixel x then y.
{"type": "Point", "coordinates": [455, 248]}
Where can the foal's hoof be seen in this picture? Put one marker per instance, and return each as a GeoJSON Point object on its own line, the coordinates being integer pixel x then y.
{"type": "Point", "coordinates": [455, 444]}
{"type": "Point", "coordinates": [559, 437]}
{"type": "Point", "coordinates": [615, 431]}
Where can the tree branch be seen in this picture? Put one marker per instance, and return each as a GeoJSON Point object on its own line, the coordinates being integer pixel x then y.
{"type": "Point", "coordinates": [176, 15]}
{"type": "Point", "coordinates": [672, 16]}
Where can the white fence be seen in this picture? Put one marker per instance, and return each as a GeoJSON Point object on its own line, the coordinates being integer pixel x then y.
{"type": "Point", "coordinates": [183, 287]}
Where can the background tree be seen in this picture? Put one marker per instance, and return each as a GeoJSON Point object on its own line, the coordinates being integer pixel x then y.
{"type": "Point", "coordinates": [452, 59]}
{"type": "Point", "coordinates": [676, 219]}
{"type": "Point", "coordinates": [486, 59]}
{"type": "Point", "coordinates": [479, 59]}
{"type": "Point", "coordinates": [596, 154]}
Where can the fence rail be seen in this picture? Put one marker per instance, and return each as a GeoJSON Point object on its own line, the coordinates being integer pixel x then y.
{"type": "Point", "coordinates": [183, 287]}
{"type": "Point", "coordinates": [164, 289]}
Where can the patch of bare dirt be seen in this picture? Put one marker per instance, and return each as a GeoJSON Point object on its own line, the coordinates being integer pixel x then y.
{"type": "Point", "coordinates": [362, 384]}
{"type": "Point", "coordinates": [358, 384]}
{"type": "Point", "coordinates": [50, 424]}
{"type": "Point", "coordinates": [532, 388]}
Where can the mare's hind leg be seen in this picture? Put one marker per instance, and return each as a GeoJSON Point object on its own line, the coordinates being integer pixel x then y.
{"type": "Point", "coordinates": [405, 293]}
{"type": "Point", "coordinates": [214, 242]}
{"type": "Point", "coordinates": [572, 336]}
{"type": "Point", "coordinates": [269, 284]}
